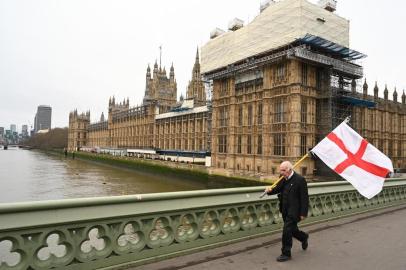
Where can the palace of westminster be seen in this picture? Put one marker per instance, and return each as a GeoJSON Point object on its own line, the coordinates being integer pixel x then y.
{"type": "Point", "coordinates": [279, 85]}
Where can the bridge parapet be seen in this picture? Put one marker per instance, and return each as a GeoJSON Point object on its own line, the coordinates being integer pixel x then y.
{"type": "Point", "coordinates": [115, 232]}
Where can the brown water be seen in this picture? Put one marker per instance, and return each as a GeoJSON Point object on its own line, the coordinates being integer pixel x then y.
{"type": "Point", "coordinates": [32, 176]}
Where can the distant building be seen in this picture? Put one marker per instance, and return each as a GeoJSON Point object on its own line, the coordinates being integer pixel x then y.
{"type": "Point", "coordinates": [77, 134]}
{"type": "Point", "coordinates": [160, 89]}
{"type": "Point", "coordinates": [196, 90]}
{"type": "Point", "coordinates": [11, 137]}
{"type": "Point", "coordinates": [13, 128]}
{"type": "Point", "coordinates": [24, 131]}
{"type": "Point", "coordinates": [1, 131]}
{"type": "Point", "coordinates": [160, 123]}
{"type": "Point", "coordinates": [42, 118]}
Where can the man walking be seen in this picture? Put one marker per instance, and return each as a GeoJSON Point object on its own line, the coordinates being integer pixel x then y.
{"type": "Point", "coordinates": [293, 204]}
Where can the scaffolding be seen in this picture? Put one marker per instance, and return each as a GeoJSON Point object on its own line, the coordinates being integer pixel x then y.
{"type": "Point", "coordinates": [337, 101]}
{"type": "Point", "coordinates": [336, 85]}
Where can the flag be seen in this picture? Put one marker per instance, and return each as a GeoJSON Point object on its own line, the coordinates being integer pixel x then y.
{"type": "Point", "coordinates": [354, 159]}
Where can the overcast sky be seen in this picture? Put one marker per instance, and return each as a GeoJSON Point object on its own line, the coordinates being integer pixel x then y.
{"type": "Point", "coordinates": [77, 53]}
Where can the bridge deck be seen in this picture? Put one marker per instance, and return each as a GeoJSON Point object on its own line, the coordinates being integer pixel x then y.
{"type": "Point", "coordinates": [375, 240]}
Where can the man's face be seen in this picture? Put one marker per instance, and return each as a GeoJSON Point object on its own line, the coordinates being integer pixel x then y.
{"type": "Point", "coordinates": [284, 171]}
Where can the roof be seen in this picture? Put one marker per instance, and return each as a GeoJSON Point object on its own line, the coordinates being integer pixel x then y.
{"type": "Point", "coordinates": [357, 102]}
{"type": "Point", "coordinates": [280, 24]}
{"type": "Point", "coordinates": [331, 47]}
{"type": "Point", "coordinates": [185, 111]}
{"type": "Point", "coordinates": [141, 151]}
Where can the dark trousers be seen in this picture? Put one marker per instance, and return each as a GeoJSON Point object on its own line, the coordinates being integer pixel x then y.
{"type": "Point", "coordinates": [290, 230]}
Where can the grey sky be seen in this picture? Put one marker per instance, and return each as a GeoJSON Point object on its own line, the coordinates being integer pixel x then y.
{"type": "Point", "coordinates": [77, 53]}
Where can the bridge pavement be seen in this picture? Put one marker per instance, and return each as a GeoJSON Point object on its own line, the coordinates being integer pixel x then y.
{"type": "Point", "coordinates": [375, 240]}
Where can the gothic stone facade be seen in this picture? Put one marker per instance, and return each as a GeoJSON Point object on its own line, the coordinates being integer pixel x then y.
{"type": "Point", "coordinates": [274, 113]}
{"type": "Point", "coordinates": [138, 127]}
{"type": "Point", "coordinates": [77, 132]}
{"type": "Point", "coordinates": [186, 129]}
{"type": "Point", "coordinates": [385, 125]}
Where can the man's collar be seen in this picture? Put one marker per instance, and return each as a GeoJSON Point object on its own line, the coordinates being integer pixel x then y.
{"type": "Point", "coordinates": [290, 175]}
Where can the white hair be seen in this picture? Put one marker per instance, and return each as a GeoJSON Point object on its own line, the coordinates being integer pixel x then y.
{"type": "Point", "coordinates": [287, 165]}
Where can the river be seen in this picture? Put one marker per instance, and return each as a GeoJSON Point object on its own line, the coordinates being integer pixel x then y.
{"type": "Point", "coordinates": [27, 175]}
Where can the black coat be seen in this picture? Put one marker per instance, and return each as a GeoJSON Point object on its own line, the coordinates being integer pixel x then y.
{"type": "Point", "coordinates": [293, 197]}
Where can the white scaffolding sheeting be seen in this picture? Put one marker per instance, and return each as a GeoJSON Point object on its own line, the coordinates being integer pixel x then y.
{"type": "Point", "coordinates": [278, 25]}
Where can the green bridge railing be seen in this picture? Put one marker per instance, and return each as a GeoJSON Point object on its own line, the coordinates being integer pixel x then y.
{"type": "Point", "coordinates": [116, 232]}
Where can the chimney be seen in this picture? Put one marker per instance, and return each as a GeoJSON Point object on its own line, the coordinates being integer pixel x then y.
{"type": "Point", "coordinates": [216, 32]}
{"type": "Point", "coordinates": [235, 24]}
{"type": "Point", "coordinates": [329, 5]}
{"type": "Point", "coordinates": [264, 4]}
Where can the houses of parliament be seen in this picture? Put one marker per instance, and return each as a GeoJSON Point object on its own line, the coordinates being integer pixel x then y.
{"type": "Point", "coordinates": [274, 96]}
{"type": "Point", "coordinates": [160, 122]}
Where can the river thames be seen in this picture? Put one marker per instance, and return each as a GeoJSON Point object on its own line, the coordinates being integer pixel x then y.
{"type": "Point", "coordinates": [27, 175]}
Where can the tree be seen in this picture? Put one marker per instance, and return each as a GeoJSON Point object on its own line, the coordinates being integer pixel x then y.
{"type": "Point", "coordinates": [56, 138]}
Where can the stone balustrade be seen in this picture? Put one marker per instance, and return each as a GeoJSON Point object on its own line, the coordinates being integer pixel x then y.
{"type": "Point", "coordinates": [115, 232]}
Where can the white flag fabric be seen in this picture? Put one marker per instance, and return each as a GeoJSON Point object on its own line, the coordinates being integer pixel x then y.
{"type": "Point", "coordinates": [354, 159]}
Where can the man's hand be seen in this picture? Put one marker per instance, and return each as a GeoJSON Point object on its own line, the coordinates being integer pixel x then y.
{"type": "Point", "coordinates": [266, 192]}
{"type": "Point", "coordinates": [268, 189]}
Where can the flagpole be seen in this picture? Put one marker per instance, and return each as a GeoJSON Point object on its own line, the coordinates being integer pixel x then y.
{"type": "Point", "coordinates": [280, 178]}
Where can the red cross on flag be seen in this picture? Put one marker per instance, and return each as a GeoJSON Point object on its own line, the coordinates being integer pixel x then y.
{"type": "Point", "coordinates": [354, 159]}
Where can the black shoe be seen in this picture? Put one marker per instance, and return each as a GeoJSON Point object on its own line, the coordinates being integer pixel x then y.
{"type": "Point", "coordinates": [305, 243]}
{"type": "Point", "coordinates": [283, 258]}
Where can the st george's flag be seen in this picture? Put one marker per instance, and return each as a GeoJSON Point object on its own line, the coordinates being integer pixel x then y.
{"type": "Point", "coordinates": [354, 159]}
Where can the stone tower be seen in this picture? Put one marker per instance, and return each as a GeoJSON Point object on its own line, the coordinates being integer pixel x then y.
{"type": "Point", "coordinates": [395, 96]}
{"type": "Point", "coordinates": [77, 135]}
{"type": "Point", "coordinates": [196, 89]}
{"type": "Point", "coordinates": [116, 108]}
{"type": "Point", "coordinates": [365, 89]}
{"type": "Point", "coordinates": [160, 89]}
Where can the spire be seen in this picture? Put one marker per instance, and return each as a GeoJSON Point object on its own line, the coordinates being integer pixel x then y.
{"type": "Point", "coordinates": [102, 117]}
{"type": "Point", "coordinates": [376, 90]}
{"type": "Point", "coordinates": [148, 72]}
{"type": "Point", "coordinates": [195, 89]}
{"type": "Point", "coordinates": [197, 55]}
{"type": "Point", "coordinates": [160, 56]}
{"type": "Point", "coordinates": [172, 73]}
{"type": "Point", "coordinates": [353, 86]}
{"type": "Point", "coordinates": [365, 88]}
{"type": "Point", "coordinates": [155, 67]}
{"type": "Point", "coordinates": [395, 96]}
{"type": "Point", "coordinates": [196, 67]}
{"type": "Point", "coordinates": [403, 97]}
{"type": "Point", "coordinates": [385, 92]}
